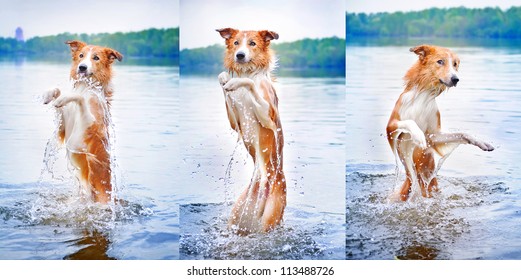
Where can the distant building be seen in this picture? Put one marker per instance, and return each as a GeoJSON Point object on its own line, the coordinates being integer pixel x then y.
{"type": "Point", "coordinates": [19, 34]}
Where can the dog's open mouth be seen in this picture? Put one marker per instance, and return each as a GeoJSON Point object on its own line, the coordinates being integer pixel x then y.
{"type": "Point", "coordinates": [84, 74]}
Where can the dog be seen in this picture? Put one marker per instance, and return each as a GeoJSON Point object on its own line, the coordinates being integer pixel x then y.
{"type": "Point", "coordinates": [83, 126]}
{"type": "Point", "coordinates": [414, 128]}
{"type": "Point", "coordinates": [252, 109]}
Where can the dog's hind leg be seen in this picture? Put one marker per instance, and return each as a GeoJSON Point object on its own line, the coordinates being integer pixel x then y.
{"type": "Point", "coordinates": [425, 164]}
{"type": "Point", "coordinates": [100, 179]}
{"type": "Point", "coordinates": [99, 164]}
{"type": "Point", "coordinates": [433, 185]}
{"type": "Point", "coordinates": [405, 190]}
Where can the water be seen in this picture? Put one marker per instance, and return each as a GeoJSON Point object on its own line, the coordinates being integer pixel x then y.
{"type": "Point", "coordinates": [312, 115]}
{"type": "Point", "coordinates": [477, 213]}
{"type": "Point", "coordinates": [45, 217]}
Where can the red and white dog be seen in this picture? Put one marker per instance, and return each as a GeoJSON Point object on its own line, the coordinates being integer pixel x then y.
{"type": "Point", "coordinates": [83, 127]}
{"type": "Point", "coordinates": [414, 128]}
{"type": "Point", "coordinates": [252, 107]}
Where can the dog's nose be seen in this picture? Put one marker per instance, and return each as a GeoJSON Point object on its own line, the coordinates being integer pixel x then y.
{"type": "Point", "coordinates": [240, 55]}
{"type": "Point", "coordinates": [82, 67]}
{"type": "Point", "coordinates": [454, 80]}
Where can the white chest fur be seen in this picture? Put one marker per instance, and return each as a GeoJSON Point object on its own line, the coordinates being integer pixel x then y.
{"type": "Point", "coordinates": [420, 107]}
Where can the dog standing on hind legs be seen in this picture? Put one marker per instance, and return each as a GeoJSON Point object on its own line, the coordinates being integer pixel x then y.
{"type": "Point", "coordinates": [414, 128]}
{"type": "Point", "coordinates": [252, 108]}
{"type": "Point", "coordinates": [83, 127]}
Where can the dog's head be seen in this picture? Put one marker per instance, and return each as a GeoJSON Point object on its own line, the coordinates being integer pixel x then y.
{"type": "Point", "coordinates": [438, 65]}
{"type": "Point", "coordinates": [248, 50]}
{"type": "Point", "coordinates": [92, 61]}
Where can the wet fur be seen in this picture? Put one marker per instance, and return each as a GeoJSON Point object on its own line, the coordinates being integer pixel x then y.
{"type": "Point", "coordinates": [414, 128]}
{"type": "Point", "coordinates": [83, 128]}
{"type": "Point", "coordinates": [252, 108]}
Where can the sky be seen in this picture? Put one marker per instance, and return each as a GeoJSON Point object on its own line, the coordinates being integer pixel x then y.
{"type": "Point", "coordinates": [40, 18]}
{"type": "Point", "coordinates": [291, 19]}
{"type": "Point", "coordinates": [374, 6]}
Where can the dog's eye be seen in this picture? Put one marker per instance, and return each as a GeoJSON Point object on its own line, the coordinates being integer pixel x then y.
{"type": "Point", "coordinates": [81, 55]}
{"type": "Point", "coordinates": [236, 43]}
{"type": "Point", "coordinates": [96, 58]}
{"type": "Point", "coordinates": [252, 43]}
{"type": "Point", "coordinates": [440, 62]}
{"type": "Point", "coordinates": [455, 64]}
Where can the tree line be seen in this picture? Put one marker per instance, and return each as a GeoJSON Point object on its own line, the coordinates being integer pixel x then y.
{"type": "Point", "coordinates": [438, 22]}
{"type": "Point", "coordinates": [147, 43]}
{"type": "Point", "coordinates": [325, 53]}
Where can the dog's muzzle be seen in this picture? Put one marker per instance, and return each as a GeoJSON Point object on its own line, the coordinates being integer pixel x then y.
{"type": "Point", "coordinates": [452, 83]}
{"type": "Point", "coordinates": [240, 57]}
{"type": "Point", "coordinates": [82, 69]}
{"type": "Point", "coordinates": [454, 79]}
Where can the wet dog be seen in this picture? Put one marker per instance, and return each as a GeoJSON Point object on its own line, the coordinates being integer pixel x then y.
{"type": "Point", "coordinates": [252, 107]}
{"type": "Point", "coordinates": [414, 128]}
{"type": "Point", "coordinates": [83, 126]}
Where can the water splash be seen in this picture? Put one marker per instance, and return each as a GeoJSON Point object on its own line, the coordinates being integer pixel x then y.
{"type": "Point", "coordinates": [52, 149]}
{"type": "Point", "coordinates": [423, 229]}
{"type": "Point", "coordinates": [205, 236]}
{"type": "Point", "coordinates": [407, 146]}
{"type": "Point", "coordinates": [228, 180]}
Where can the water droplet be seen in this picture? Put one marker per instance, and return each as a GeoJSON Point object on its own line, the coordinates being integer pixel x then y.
{"type": "Point", "coordinates": [286, 248]}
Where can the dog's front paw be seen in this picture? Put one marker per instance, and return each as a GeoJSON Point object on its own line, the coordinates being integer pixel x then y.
{"type": "Point", "coordinates": [66, 99]}
{"type": "Point", "coordinates": [60, 102]}
{"type": "Point", "coordinates": [485, 146]}
{"type": "Point", "coordinates": [480, 144]}
{"type": "Point", "coordinates": [236, 83]}
{"type": "Point", "coordinates": [223, 78]}
{"type": "Point", "coordinates": [232, 85]}
{"type": "Point", "coordinates": [50, 95]}
{"type": "Point", "coordinates": [418, 137]}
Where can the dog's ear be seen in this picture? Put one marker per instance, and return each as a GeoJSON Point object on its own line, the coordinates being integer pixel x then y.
{"type": "Point", "coordinates": [75, 45]}
{"type": "Point", "coordinates": [112, 54]}
{"type": "Point", "coordinates": [422, 51]}
{"type": "Point", "coordinates": [269, 35]}
{"type": "Point", "coordinates": [227, 33]}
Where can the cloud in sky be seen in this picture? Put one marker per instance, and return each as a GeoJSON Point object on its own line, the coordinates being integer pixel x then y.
{"type": "Point", "coordinates": [292, 19]}
{"type": "Point", "coordinates": [40, 18]}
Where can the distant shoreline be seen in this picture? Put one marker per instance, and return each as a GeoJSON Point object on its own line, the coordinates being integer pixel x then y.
{"type": "Point", "coordinates": [460, 22]}
{"type": "Point", "coordinates": [149, 43]}
{"type": "Point", "coordinates": [60, 58]}
{"type": "Point", "coordinates": [447, 41]}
